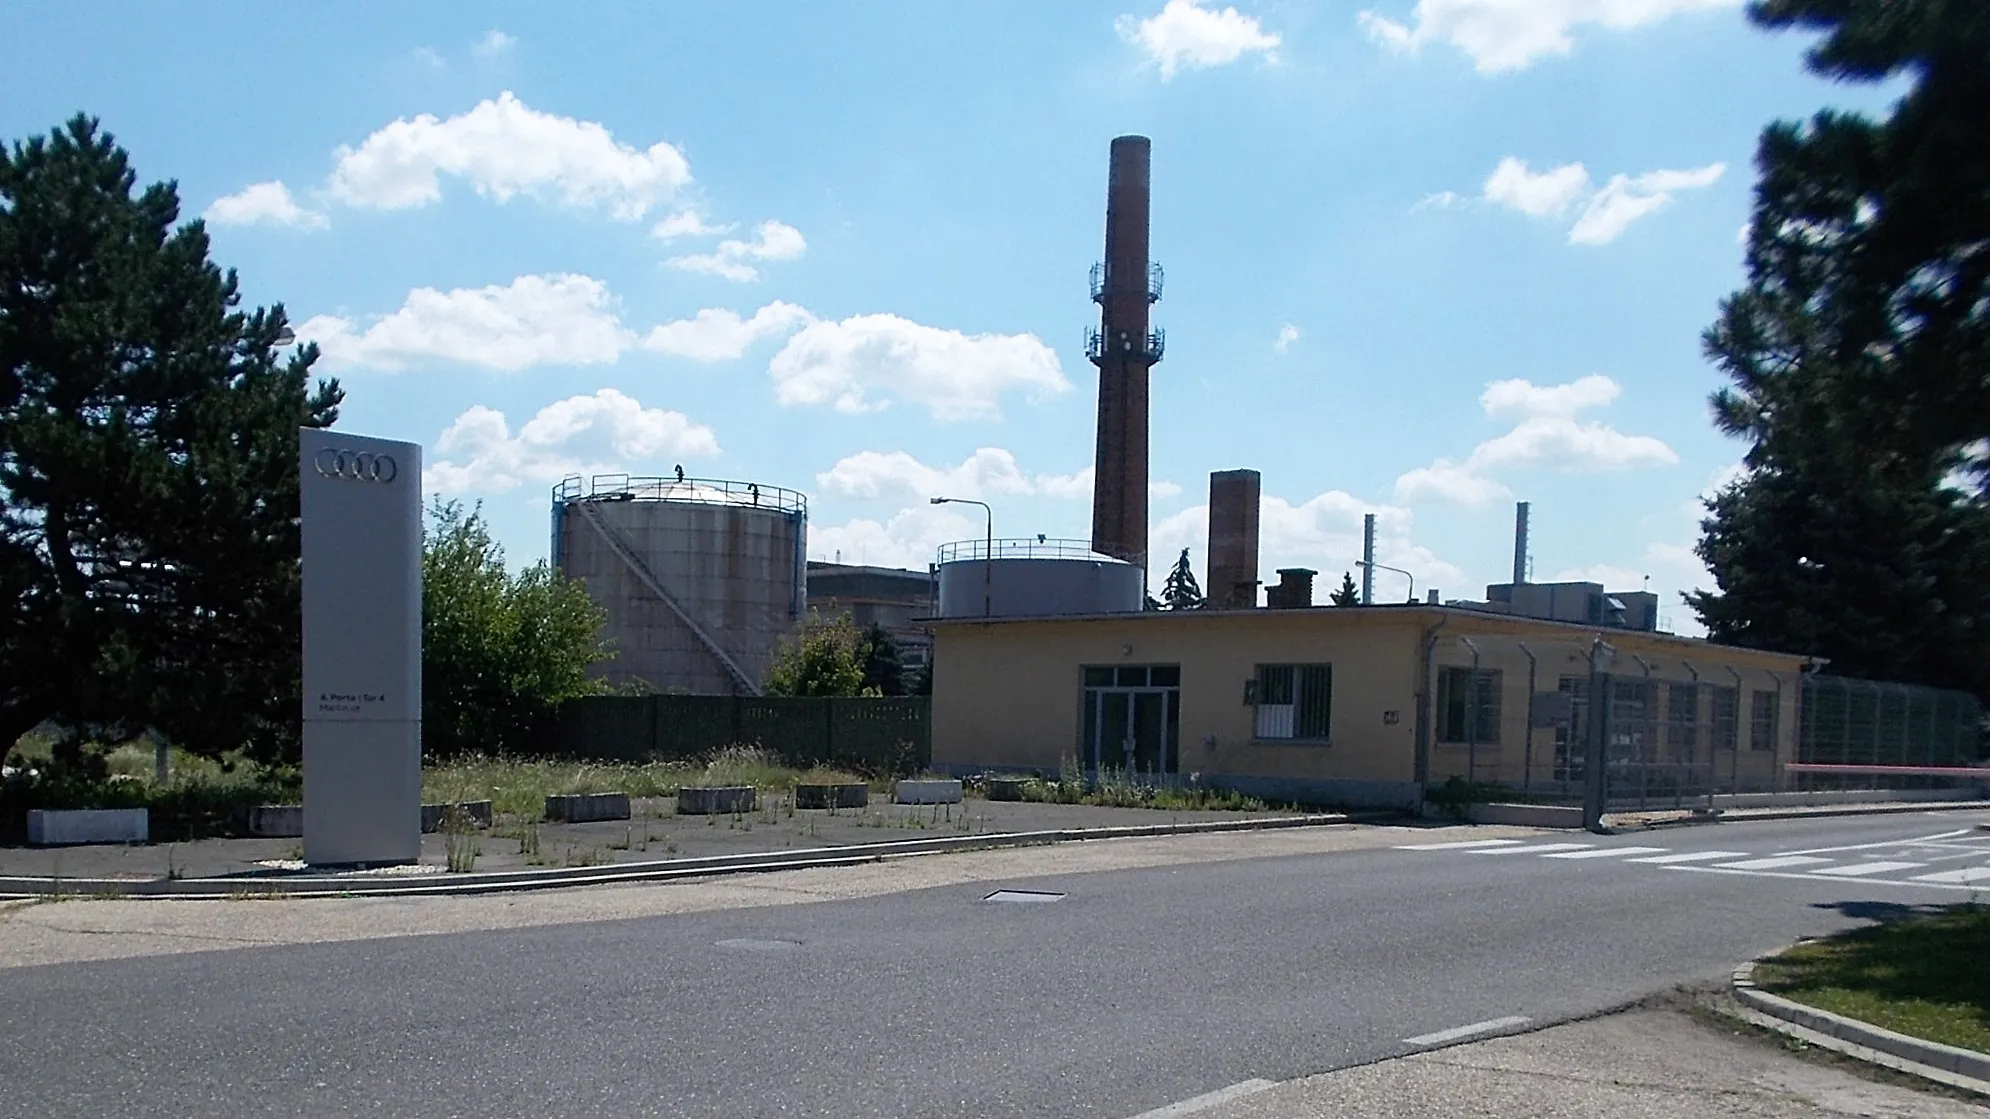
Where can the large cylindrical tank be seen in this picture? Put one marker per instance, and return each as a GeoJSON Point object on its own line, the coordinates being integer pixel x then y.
{"type": "Point", "coordinates": [1034, 578]}
{"type": "Point", "coordinates": [700, 579]}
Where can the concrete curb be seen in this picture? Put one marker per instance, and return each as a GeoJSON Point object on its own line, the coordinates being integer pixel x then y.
{"type": "Point", "coordinates": [1946, 1064]}
{"type": "Point", "coordinates": [1813, 812]}
{"type": "Point", "coordinates": [309, 885]}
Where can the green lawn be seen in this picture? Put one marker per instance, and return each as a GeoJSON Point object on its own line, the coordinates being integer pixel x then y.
{"type": "Point", "coordinates": [1926, 976]}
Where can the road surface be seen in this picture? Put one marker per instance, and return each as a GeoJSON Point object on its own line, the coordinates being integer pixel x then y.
{"type": "Point", "coordinates": [1134, 989]}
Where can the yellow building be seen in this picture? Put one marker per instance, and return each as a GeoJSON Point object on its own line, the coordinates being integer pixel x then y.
{"type": "Point", "coordinates": [1358, 705]}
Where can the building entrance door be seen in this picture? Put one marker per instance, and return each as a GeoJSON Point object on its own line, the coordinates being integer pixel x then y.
{"type": "Point", "coordinates": [1131, 730]}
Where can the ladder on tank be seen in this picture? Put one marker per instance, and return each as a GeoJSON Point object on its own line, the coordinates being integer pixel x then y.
{"type": "Point", "coordinates": [628, 556]}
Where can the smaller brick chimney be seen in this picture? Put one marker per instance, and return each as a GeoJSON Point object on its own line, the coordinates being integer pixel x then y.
{"type": "Point", "coordinates": [1294, 590]}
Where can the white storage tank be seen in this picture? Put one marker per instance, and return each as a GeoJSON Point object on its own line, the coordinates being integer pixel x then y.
{"type": "Point", "coordinates": [1035, 577]}
{"type": "Point", "coordinates": [701, 579]}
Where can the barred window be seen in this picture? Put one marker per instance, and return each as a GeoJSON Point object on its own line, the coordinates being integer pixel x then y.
{"type": "Point", "coordinates": [1726, 703]}
{"type": "Point", "coordinates": [1293, 701]}
{"type": "Point", "coordinates": [1762, 721]}
{"type": "Point", "coordinates": [1682, 717]}
{"type": "Point", "coordinates": [1465, 712]}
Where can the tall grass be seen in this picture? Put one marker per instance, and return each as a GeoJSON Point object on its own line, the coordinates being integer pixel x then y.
{"type": "Point", "coordinates": [520, 786]}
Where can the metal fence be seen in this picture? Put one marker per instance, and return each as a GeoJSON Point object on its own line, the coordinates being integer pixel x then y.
{"type": "Point", "coordinates": [1678, 731]}
{"type": "Point", "coordinates": [883, 736]}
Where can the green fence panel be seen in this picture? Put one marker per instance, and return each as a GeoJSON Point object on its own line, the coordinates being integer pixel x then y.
{"type": "Point", "coordinates": [870, 735]}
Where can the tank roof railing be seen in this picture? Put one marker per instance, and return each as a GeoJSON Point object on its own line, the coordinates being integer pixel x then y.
{"type": "Point", "coordinates": [679, 488]}
{"type": "Point", "coordinates": [1026, 547]}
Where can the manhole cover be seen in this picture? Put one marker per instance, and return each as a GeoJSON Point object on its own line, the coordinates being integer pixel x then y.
{"type": "Point", "coordinates": [1024, 895]}
{"type": "Point", "coordinates": [751, 945]}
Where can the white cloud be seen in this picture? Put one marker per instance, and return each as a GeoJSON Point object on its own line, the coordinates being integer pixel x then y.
{"type": "Point", "coordinates": [1546, 433]}
{"type": "Point", "coordinates": [1505, 35]}
{"type": "Point", "coordinates": [493, 43]}
{"type": "Point", "coordinates": [1606, 211]}
{"type": "Point", "coordinates": [431, 56]}
{"type": "Point", "coordinates": [602, 432]}
{"type": "Point", "coordinates": [1186, 36]}
{"type": "Point", "coordinates": [1540, 195]}
{"type": "Point", "coordinates": [1625, 199]}
{"type": "Point", "coordinates": [503, 148]}
{"type": "Point", "coordinates": [987, 472]}
{"type": "Point", "coordinates": [1287, 335]}
{"type": "Point", "coordinates": [1322, 533]}
{"type": "Point", "coordinates": [910, 539]}
{"type": "Point", "coordinates": [561, 319]}
{"type": "Point", "coordinates": [718, 334]}
{"type": "Point", "coordinates": [1440, 200]}
{"type": "Point", "coordinates": [863, 362]}
{"type": "Point", "coordinates": [772, 240]}
{"type": "Point", "coordinates": [260, 203]}
{"type": "Point", "coordinates": [686, 223]}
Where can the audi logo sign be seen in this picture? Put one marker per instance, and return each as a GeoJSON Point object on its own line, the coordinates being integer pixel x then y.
{"type": "Point", "coordinates": [356, 466]}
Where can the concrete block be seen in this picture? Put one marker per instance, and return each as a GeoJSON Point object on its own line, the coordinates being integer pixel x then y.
{"type": "Point", "coordinates": [583, 808]}
{"type": "Point", "coordinates": [1525, 815]}
{"type": "Point", "coordinates": [1007, 788]}
{"type": "Point", "coordinates": [832, 796]}
{"type": "Point", "coordinates": [928, 792]}
{"type": "Point", "coordinates": [715, 800]}
{"type": "Point", "coordinates": [51, 828]}
{"type": "Point", "coordinates": [479, 811]}
{"type": "Point", "coordinates": [276, 821]}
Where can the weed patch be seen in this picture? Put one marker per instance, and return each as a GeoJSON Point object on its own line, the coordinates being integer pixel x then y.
{"type": "Point", "coordinates": [1924, 976]}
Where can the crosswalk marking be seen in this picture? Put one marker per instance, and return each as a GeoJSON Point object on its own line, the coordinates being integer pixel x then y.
{"type": "Point", "coordinates": [1603, 853]}
{"type": "Point", "coordinates": [1957, 877]}
{"type": "Point", "coordinates": [1777, 862]}
{"type": "Point", "coordinates": [1535, 849]}
{"type": "Point", "coordinates": [1859, 870]}
{"type": "Point", "coordinates": [1691, 857]}
{"type": "Point", "coordinates": [1461, 845]}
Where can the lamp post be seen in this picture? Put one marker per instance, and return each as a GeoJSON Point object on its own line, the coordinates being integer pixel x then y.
{"type": "Point", "coordinates": [987, 554]}
{"type": "Point", "coordinates": [1397, 570]}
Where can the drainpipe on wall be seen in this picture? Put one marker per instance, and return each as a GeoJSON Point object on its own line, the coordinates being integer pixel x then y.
{"type": "Point", "coordinates": [1423, 708]}
{"type": "Point", "coordinates": [1527, 744]}
{"type": "Point", "coordinates": [1472, 717]}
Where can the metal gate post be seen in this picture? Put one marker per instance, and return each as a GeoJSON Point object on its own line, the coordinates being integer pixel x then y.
{"type": "Point", "coordinates": [1596, 782]}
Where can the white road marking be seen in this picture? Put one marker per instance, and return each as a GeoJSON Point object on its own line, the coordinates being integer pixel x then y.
{"type": "Point", "coordinates": [1859, 870]}
{"type": "Point", "coordinates": [1691, 857]}
{"type": "Point", "coordinates": [1913, 884]}
{"type": "Point", "coordinates": [1957, 877]}
{"type": "Point", "coordinates": [1603, 853]}
{"type": "Point", "coordinates": [1207, 1100]}
{"type": "Point", "coordinates": [1442, 1036]}
{"type": "Point", "coordinates": [1535, 849]}
{"type": "Point", "coordinates": [1461, 845]}
{"type": "Point", "coordinates": [1883, 843]}
{"type": "Point", "coordinates": [1776, 862]}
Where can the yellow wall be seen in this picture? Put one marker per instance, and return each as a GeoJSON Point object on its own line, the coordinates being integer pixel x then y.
{"type": "Point", "coordinates": [1009, 693]}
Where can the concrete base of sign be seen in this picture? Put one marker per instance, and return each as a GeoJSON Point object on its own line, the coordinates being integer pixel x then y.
{"type": "Point", "coordinates": [715, 800]}
{"type": "Point", "coordinates": [832, 796]}
{"type": "Point", "coordinates": [51, 828]}
{"type": "Point", "coordinates": [928, 792]}
{"type": "Point", "coordinates": [479, 813]}
{"type": "Point", "coordinates": [276, 821]}
{"type": "Point", "coordinates": [585, 808]}
{"type": "Point", "coordinates": [362, 793]}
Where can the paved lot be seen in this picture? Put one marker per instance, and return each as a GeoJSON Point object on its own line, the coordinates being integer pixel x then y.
{"type": "Point", "coordinates": [655, 832]}
{"type": "Point", "coordinates": [1650, 1063]}
{"type": "Point", "coordinates": [896, 989]}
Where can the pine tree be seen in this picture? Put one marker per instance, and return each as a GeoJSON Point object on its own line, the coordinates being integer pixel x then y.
{"type": "Point", "coordinates": [884, 668]}
{"type": "Point", "coordinates": [149, 574]}
{"type": "Point", "coordinates": [1180, 591]}
{"type": "Point", "coordinates": [1348, 594]}
{"type": "Point", "coordinates": [1869, 282]}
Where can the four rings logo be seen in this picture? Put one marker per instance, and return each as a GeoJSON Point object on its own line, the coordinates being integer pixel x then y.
{"type": "Point", "coordinates": [357, 466]}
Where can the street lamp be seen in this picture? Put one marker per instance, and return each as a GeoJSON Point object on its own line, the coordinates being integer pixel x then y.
{"type": "Point", "coordinates": [987, 555]}
{"type": "Point", "coordinates": [284, 337]}
{"type": "Point", "coordinates": [1397, 570]}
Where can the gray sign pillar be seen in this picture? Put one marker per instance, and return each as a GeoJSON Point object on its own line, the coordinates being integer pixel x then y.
{"type": "Point", "coordinates": [361, 509]}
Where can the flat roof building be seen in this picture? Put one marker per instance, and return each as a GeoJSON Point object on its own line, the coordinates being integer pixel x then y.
{"type": "Point", "coordinates": [1357, 705]}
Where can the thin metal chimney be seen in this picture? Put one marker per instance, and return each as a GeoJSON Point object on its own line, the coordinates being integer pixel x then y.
{"type": "Point", "coordinates": [1520, 543]}
{"type": "Point", "coordinates": [1368, 559]}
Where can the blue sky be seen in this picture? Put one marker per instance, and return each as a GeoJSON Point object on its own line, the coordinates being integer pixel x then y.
{"type": "Point", "coordinates": [1424, 257]}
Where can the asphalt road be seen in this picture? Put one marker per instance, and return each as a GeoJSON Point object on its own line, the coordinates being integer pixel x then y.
{"type": "Point", "coordinates": [1138, 988]}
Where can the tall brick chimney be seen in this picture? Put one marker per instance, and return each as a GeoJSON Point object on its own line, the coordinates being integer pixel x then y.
{"type": "Point", "coordinates": [1233, 539]}
{"type": "Point", "coordinates": [1124, 349]}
